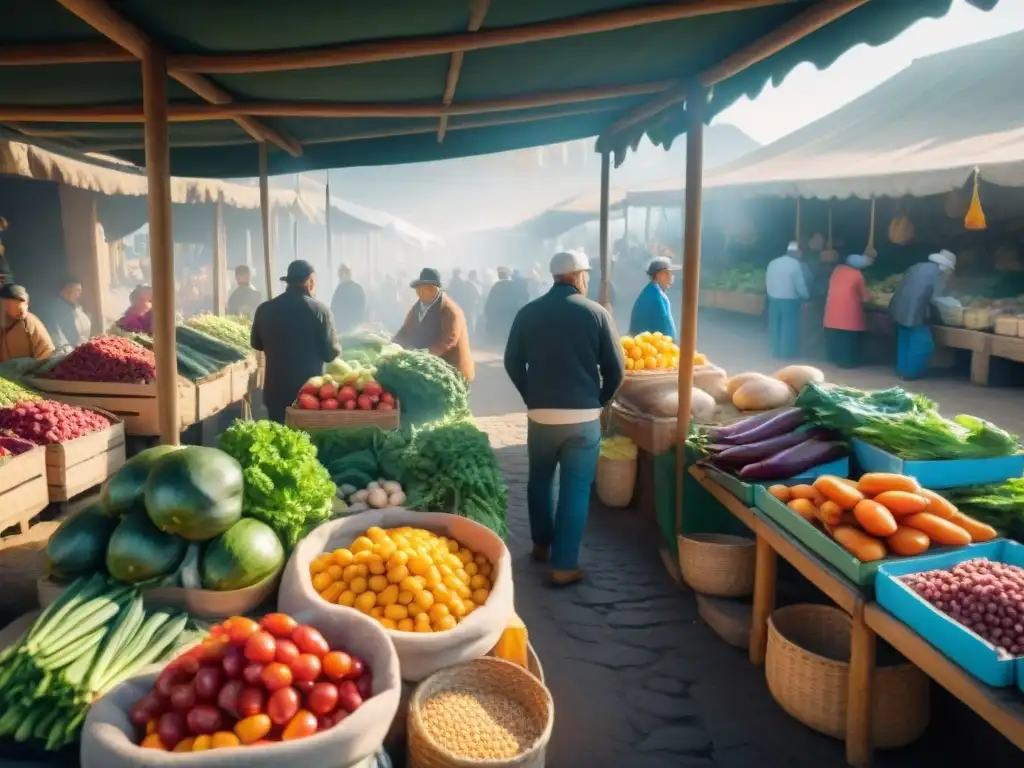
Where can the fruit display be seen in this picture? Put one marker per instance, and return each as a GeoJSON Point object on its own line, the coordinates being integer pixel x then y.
{"type": "Point", "coordinates": [881, 515]}
{"type": "Point", "coordinates": [618, 448]}
{"type": "Point", "coordinates": [409, 579]}
{"type": "Point", "coordinates": [986, 597]}
{"type": "Point", "coordinates": [344, 391]}
{"type": "Point", "coordinates": [107, 358]}
{"type": "Point", "coordinates": [45, 422]}
{"type": "Point", "coordinates": [378, 494]}
{"type": "Point", "coordinates": [95, 635]}
{"type": "Point", "coordinates": [251, 684]}
{"type": "Point", "coordinates": [650, 352]}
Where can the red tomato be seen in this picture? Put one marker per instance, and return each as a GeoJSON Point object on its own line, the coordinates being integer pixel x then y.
{"type": "Point", "coordinates": [303, 686]}
{"type": "Point", "coordinates": [276, 675]}
{"type": "Point", "coordinates": [204, 718]}
{"type": "Point", "coordinates": [324, 722]}
{"type": "Point", "coordinates": [348, 696]}
{"type": "Point", "coordinates": [240, 629]}
{"type": "Point", "coordinates": [323, 698]}
{"type": "Point", "coordinates": [218, 630]}
{"type": "Point", "coordinates": [251, 673]}
{"type": "Point", "coordinates": [250, 701]}
{"type": "Point", "coordinates": [279, 624]}
{"type": "Point", "coordinates": [260, 647]}
{"type": "Point", "coordinates": [178, 672]}
{"type": "Point", "coordinates": [149, 707]}
{"type": "Point", "coordinates": [233, 663]}
{"type": "Point", "coordinates": [282, 705]}
{"type": "Point", "coordinates": [208, 682]}
{"type": "Point", "coordinates": [214, 649]}
{"type": "Point", "coordinates": [310, 640]}
{"type": "Point", "coordinates": [287, 652]}
{"type": "Point", "coordinates": [336, 665]}
{"type": "Point", "coordinates": [365, 686]}
{"type": "Point", "coordinates": [171, 728]}
{"type": "Point", "coordinates": [227, 699]}
{"type": "Point", "coordinates": [183, 697]}
{"type": "Point", "coordinates": [303, 724]}
{"type": "Point", "coordinates": [306, 667]}
{"type": "Point", "coordinates": [358, 668]}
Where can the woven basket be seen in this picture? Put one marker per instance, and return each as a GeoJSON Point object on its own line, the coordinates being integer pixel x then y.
{"type": "Point", "coordinates": [615, 481]}
{"type": "Point", "coordinates": [299, 418]}
{"type": "Point", "coordinates": [494, 676]}
{"type": "Point", "coordinates": [718, 564]}
{"type": "Point", "coordinates": [807, 668]}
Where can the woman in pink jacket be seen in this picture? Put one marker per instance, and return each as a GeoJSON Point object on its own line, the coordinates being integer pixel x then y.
{"type": "Point", "coordinates": [844, 312]}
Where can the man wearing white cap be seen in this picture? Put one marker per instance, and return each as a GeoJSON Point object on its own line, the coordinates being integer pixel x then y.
{"type": "Point", "coordinates": [786, 282]}
{"type": "Point", "coordinates": [652, 311]}
{"type": "Point", "coordinates": [910, 310]}
{"type": "Point", "coordinates": [563, 356]}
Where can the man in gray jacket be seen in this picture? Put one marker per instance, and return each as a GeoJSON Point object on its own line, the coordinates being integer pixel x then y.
{"type": "Point", "coordinates": [910, 310]}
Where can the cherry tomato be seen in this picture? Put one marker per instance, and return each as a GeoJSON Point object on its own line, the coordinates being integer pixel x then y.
{"type": "Point", "coordinates": [323, 698]}
{"type": "Point", "coordinates": [208, 682]}
{"type": "Point", "coordinates": [276, 675]}
{"type": "Point", "coordinates": [214, 649]}
{"type": "Point", "coordinates": [365, 686]}
{"type": "Point", "coordinates": [253, 728]}
{"type": "Point", "coordinates": [287, 652]}
{"type": "Point", "coordinates": [219, 630]}
{"type": "Point", "coordinates": [303, 724]}
{"type": "Point", "coordinates": [195, 652]}
{"type": "Point", "coordinates": [336, 665]}
{"type": "Point", "coordinates": [279, 624]}
{"type": "Point", "coordinates": [310, 640]}
{"type": "Point", "coordinates": [240, 629]}
{"type": "Point", "coordinates": [151, 726]}
{"type": "Point", "coordinates": [358, 668]}
{"type": "Point", "coordinates": [306, 667]}
{"type": "Point", "coordinates": [149, 707]}
{"type": "Point", "coordinates": [251, 674]}
{"type": "Point", "coordinates": [178, 672]}
{"type": "Point", "coordinates": [204, 718]}
{"type": "Point", "coordinates": [222, 739]}
{"type": "Point", "coordinates": [260, 647]}
{"type": "Point", "coordinates": [348, 696]}
{"type": "Point", "coordinates": [185, 745]}
{"type": "Point", "coordinates": [233, 663]}
{"type": "Point", "coordinates": [250, 701]}
{"type": "Point", "coordinates": [227, 699]}
{"type": "Point", "coordinates": [183, 697]}
{"type": "Point", "coordinates": [153, 741]}
{"type": "Point", "coordinates": [282, 705]}
{"type": "Point", "coordinates": [202, 742]}
{"type": "Point", "coordinates": [324, 722]}
{"type": "Point", "coordinates": [171, 728]}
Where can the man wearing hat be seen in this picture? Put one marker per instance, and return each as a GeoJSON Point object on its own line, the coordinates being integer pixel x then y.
{"type": "Point", "coordinates": [436, 323]}
{"type": "Point", "coordinates": [563, 356]}
{"type": "Point", "coordinates": [296, 334]}
{"type": "Point", "coordinates": [910, 310]}
{"type": "Point", "coordinates": [22, 334]}
{"type": "Point", "coordinates": [652, 311]}
{"type": "Point", "coordinates": [504, 300]}
{"type": "Point", "coordinates": [787, 285]}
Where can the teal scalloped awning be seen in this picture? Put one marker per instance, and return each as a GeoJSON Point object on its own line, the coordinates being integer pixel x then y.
{"type": "Point", "coordinates": [651, 54]}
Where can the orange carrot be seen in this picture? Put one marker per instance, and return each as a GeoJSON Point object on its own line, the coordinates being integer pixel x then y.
{"type": "Point", "coordinates": [781, 492]}
{"type": "Point", "coordinates": [874, 518]}
{"type": "Point", "coordinates": [865, 548]}
{"type": "Point", "coordinates": [838, 491]}
{"type": "Point", "coordinates": [805, 508]}
{"type": "Point", "coordinates": [908, 541]}
{"type": "Point", "coordinates": [942, 532]}
{"type": "Point", "coordinates": [830, 513]}
{"type": "Point", "coordinates": [874, 483]}
{"type": "Point", "coordinates": [977, 530]}
{"type": "Point", "coordinates": [806, 492]}
{"type": "Point", "coordinates": [939, 505]}
{"type": "Point", "coordinates": [902, 503]}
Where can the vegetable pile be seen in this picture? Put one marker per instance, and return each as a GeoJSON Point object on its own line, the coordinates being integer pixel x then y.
{"type": "Point", "coordinates": [233, 330]}
{"type": "Point", "coordinates": [198, 354]}
{"type": "Point", "coordinates": [984, 596]}
{"type": "Point", "coordinates": [882, 514]}
{"type": "Point", "coordinates": [428, 387]}
{"type": "Point", "coordinates": [45, 422]}
{"type": "Point", "coordinates": [649, 352]}
{"type": "Point", "coordinates": [107, 358]}
{"type": "Point", "coordinates": [251, 684]}
{"type": "Point", "coordinates": [365, 348]}
{"type": "Point", "coordinates": [354, 457]}
{"type": "Point", "coordinates": [346, 390]}
{"type": "Point", "coordinates": [1000, 505]}
{"type": "Point", "coordinates": [743, 279]}
{"type": "Point", "coordinates": [409, 579]}
{"type": "Point", "coordinates": [379, 494]}
{"type": "Point", "coordinates": [285, 486]}
{"type": "Point", "coordinates": [87, 641]}
{"type": "Point", "coordinates": [11, 389]}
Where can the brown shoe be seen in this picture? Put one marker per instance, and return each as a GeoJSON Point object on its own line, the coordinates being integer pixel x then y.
{"type": "Point", "coordinates": [541, 552]}
{"type": "Point", "coordinates": [564, 578]}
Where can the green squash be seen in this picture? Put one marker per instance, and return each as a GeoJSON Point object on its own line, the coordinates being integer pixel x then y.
{"type": "Point", "coordinates": [244, 555]}
{"type": "Point", "coordinates": [125, 490]}
{"type": "Point", "coordinates": [79, 545]}
{"type": "Point", "coordinates": [139, 551]}
{"type": "Point", "coordinates": [195, 493]}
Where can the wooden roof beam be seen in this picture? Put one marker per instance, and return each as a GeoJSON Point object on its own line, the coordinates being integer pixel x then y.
{"type": "Point", "coordinates": [477, 11]}
{"type": "Point", "coordinates": [41, 54]}
{"type": "Point", "coordinates": [800, 26]}
{"type": "Point", "coordinates": [108, 22]}
{"type": "Point", "coordinates": [434, 45]}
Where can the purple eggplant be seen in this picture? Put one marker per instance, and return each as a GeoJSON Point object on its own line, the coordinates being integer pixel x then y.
{"type": "Point", "coordinates": [792, 461]}
{"type": "Point", "coordinates": [16, 445]}
{"type": "Point", "coordinates": [751, 453]}
{"type": "Point", "coordinates": [721, 434]}
{"type": "Point", "coordinates": [782, 424]}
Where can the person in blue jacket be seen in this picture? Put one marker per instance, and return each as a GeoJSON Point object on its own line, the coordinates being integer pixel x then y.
{"type": "Point", "coordinates": [652, 311]}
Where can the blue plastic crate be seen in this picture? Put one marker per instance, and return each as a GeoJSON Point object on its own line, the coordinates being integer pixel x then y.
{"type": "Point", "coordinates": [949, 473]}
{"type": "Point", "coordinates": [960, 644]}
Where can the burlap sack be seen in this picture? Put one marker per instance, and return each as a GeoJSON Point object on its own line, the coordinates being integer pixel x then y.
{"type": "Point", "coordinates": [420, 654]}
{"type": "Point", "coordinates": [109, 738]}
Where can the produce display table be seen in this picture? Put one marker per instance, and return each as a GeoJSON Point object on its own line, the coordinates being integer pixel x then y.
{"type": "Point", "coordinates": [23, 489]}
{"type": "Point", "coordinates": [85, 462]}
{"type": "Point", "coordinates": [734, 301]}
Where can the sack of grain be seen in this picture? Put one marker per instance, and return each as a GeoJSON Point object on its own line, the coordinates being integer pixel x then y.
{"type": "Point", "coordinates": [420, 654]}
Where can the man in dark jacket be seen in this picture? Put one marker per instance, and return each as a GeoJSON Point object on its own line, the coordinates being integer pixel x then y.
{"type": "Point", "coordinates": [564, 358]}
{"type": "Point", "coordinates": [348, 305]}
{"type": "Point", "coordinates": [295, 332]}
{"type": "Point", "coordinates": [504, 300]}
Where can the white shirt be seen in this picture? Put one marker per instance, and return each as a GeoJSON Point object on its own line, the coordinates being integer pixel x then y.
{"type": "Point", "coordinates": [560, 416]}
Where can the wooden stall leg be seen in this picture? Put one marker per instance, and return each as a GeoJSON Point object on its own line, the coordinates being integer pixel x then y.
{"type": "Point", "coordinates": [980, 362]}
{"type": "Point", "coordinates": [859, 737]}
{"type": "Point", "coordinates": [764, 600]}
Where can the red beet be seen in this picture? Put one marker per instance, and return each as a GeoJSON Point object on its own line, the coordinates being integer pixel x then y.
{"type": "Point", "coordinates": [45, 422]}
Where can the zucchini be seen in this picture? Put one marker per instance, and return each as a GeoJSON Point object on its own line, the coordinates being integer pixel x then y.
{"type": "Point", "coordinates": [29, 723]}
{"type": "Point", "coordinates": [97, 620]}
{"type": "Point", "coordinates": [134, 647]}
{"type": "Point", "coordinates": [56, 736]}
{"type": "Point", "coordinates": [10, 720]}
{"type": "Point", "coordinates": [121, 633]}
{"type": "Point", "coordinates": [70, 653]}
{"type": "Point", "coordinates": [75, 618]}
{"type": "Point", "coordinates": [80, 592]}
{"type": "Point", "coordinates": [161, 643]}
{"type": "Point", "coordinates": [42, 729]}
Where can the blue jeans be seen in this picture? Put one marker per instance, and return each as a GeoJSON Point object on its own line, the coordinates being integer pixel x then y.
{"type": "Point", "coordinates": [573, 450]}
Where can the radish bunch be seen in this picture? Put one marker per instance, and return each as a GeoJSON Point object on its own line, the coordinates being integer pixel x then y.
{"type": "Point", "coordinates": [108, 358]}
{"type": "Point", "coordinates": [46, 422]}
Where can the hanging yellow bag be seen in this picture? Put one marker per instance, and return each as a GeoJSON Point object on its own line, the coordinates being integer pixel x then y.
{"type": "Point", "coordinates": [975, 218]}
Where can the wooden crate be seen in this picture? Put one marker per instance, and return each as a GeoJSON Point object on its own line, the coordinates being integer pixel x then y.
{"type": "Point", "coordinates": [300, 418]}
{"type": "Point", "coordinates": [242, 378]}
{"type": "Point", "coordinates": [745, 303]}
{"type": "Point", "coordinates": [23, 490]}
{"type": "Point", "coordinates": [134, 404]}
{"type": "Point", "coordinates": [213, 394]}
{"type": "Point", "coordinates": [85, 462]}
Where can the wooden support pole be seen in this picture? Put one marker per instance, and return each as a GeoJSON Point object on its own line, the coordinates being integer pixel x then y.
{"type": "Point", "coordinates": [691, 280]}
{"type": "Point", "coordinates": [220, 259]}
{"type": "Point", "coordinates": [605, 292]}
{"type": "Point", "coordinates": [477, 11]}
{"type": "Point", "coordinates": [765, 564]}
{"type": "Point", "coordinates": [268, 262]}
{"type": "Point", "coordinates": [161, 242]}
{"type": "Point", "coordinates": [860, 694]}
{"type": "Point", "coordinates": [327, 226]}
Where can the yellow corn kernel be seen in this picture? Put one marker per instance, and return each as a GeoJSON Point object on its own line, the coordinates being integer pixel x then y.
{"type": "Point", "coordinates": [362, 544]}
{"type": "Point", "coordinates": [335, 571]}
{"type": "Point", "coordinates": [480, 596]}
{"type": "Point", "coordinates": [389, 596]}
{"type": "Point", "coordinates": [395, 575]}
{"type": "Point", "coordinates": [438, 611]}
{"type": "Point", "coordinates": [410, 584]}
{"type": "Point", "coordinates": [375, 533]}
{"type": "Point", "coordinates": [404, 597]}
{"type": "Point", "coordinates": [388, 623]}
{"type": "Point", "coordinates": [333, 592]}
{"type": "Point", "coordinates": [465, 556]}
{"type": "Point", "coordinates": [378, 583]}
{"type": "Point", "coordinates": [396, 612]}
{"type": "Point", "coordinates": [319, 565]}
{"type": "Point", "coordinates": [322, 581]}
{"type": "Point", "coordinates": [377, 611]}
{"type": "Point", "coordinates": [471, 569]}
{"type": "Point", "coordinates": [342, 557]}
{"type": "Point", "coordinates": [478, 582]}
{"type": "Point", "coordinates": [350, 572]}
{"type": "Point", "coordinates": [376, 565]}
{"type": "Point", "coordinates": [443, 624]}
{"type": "Point", "coordinates": [358, 585]}
{"type": "Point", "coordinates": [347, 598]}
{"type": "Point", "coordinates": [406, 625]}
{"type": "Point", "coordinates": [424, 599]}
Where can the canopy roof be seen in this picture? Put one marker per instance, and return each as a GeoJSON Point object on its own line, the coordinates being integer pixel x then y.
{"type": "Point", "coordinates": [922, 132]}
{"type": "Point", "coordinates": [343, 84]}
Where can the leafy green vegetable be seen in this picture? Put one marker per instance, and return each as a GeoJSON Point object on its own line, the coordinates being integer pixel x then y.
{"type": "Point", "coordinates": [285, 485]}
{"type": "Point", "coordinates": [1000, 505]}
{"type": "Point", "coordinates": [427, 388]}
{"type": "Point", "coordinates": [11, 392]}
{"type": "Point", "coordinates": [233, 330]}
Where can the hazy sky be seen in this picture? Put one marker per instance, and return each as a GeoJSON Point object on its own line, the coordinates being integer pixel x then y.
{"type": "Point", "coordinates": [808, 94]}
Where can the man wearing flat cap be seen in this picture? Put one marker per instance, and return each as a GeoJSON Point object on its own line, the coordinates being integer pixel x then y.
{"type": "Point", "coordinates": [22, 334]}
{"type": "Point", "coordinates": [652, 310]}
{"type": "Point", "coordinates": [436, 323]}
{"type": "Point", "coordinates": [296, 333]}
